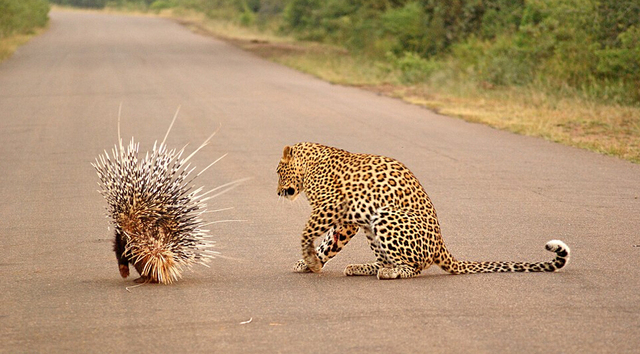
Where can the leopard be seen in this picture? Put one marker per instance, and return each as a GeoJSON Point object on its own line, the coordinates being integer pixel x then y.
{"type": "Point", "coordinates": [349, 192]}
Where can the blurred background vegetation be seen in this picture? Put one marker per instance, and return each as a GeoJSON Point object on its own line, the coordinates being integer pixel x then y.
{"type": "Point", "coordinates": [19, 20]}
{"type": "Point", "coordinates": [592, 46]}
{"type": "Point", "coordinates": [22, 16]}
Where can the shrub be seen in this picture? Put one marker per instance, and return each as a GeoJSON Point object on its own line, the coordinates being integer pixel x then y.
{"type": "Point", "coordinates": [587, 45]}
{"type": "Point", "coordinates": [22, 16]}
{"type": "Point", "coordinates": [160, 5]}
{"type": "Point", "coordinates": [96, 4]}
{"type": "Point", "coordinates": [412, 31]}
{"type": "Point", "coordinates": [413, 67]}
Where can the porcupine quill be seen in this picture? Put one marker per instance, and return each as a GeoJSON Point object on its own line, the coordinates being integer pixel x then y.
{"type": "Point", "coordinates": [155, 210]}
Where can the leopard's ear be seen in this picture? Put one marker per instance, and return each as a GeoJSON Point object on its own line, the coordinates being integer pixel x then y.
{"type": "Point", "coordinates": [286, 154]}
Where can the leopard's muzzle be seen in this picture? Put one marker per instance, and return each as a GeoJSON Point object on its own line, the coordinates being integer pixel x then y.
{"type": "Point", "coordinates": [287, 192]}
{"type": "Point", "coordinates": [290, 193]}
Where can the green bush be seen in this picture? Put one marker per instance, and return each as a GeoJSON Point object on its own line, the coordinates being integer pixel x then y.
{"type": "Point", "coordinates": [96, 4]}
{"type": "Point", "coordinates": [412, 31]}
{"type": "Point", "coordinates": [247, 12]}
{"type": "Point", "coordinates": [558, 44]}
{"type": "Point", "coordinates": [413, 67]}
{"type": "Point", "coordinates": [160, 5]}
{"type": "Point", "coordinates": [621, 64]}
{"type": "Point", "coordinates": [491, 61]}
{"type": "Point", "coordinates": [623, 59]}
{"type": "Point", "coordinates": [299, 15]}
{"type": "Point", "coordinates": [22, 16]}
{"type": "Point", "coordinates": [587, 45]}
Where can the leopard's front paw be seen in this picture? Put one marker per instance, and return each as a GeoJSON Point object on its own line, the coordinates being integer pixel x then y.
{"type": "Point", "coordinates": [301, 267]}
{"type": "Point", "coordinates": [313, 262]}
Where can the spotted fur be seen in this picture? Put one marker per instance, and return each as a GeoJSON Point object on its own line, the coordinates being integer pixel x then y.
{"type": "Point", "coordinates": [379, 195]}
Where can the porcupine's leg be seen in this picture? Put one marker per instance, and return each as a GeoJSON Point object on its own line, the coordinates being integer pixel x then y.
{"type": "Point", "coordinates": [119, 244]}
{"type": "Point", "coordinates": [143, 279]}
{"type": "Point", "coordinates": [333, 243]}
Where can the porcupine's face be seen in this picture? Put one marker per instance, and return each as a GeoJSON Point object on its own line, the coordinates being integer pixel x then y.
{"type": "Point", "coordinates": [290, 174]}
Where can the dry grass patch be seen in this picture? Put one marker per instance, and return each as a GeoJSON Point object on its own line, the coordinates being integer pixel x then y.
{"type": "Point", "coordinates": [8, 45]}
{"type": "Point", "coordinates": [338, 67]}
{"type": "Point", "coordinates": [604, 128]}
{"type": "Point", "coordinates": [226, 30]}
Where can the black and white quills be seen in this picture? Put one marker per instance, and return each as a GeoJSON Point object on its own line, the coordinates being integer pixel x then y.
{"type": "Point", "coordinates": [155, 209]}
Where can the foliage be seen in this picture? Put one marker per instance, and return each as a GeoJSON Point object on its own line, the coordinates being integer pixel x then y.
{"type": "Point", "coordinates": [588, 45]}
{"type": "Point", "coordinates": [22, 16]}
{"type": "Point", "coordinates": [96, 4]}
{"type": "Point", "coordinates": [413, 68]}
{"type": "Point", "coordinates": [159, 5]}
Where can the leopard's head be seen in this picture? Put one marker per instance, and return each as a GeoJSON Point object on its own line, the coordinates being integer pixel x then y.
{"type": "Point", "coordinates": [290, 174]}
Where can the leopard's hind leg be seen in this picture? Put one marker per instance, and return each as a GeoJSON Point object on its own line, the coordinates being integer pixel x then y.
{"type": "Point", "coordinates": [367, 268]}
{"type": "Point", "coordinates": [363, 269]}
{"type": "Point", "coordinates": [406, 241]}
{"type": "Point", "coordinates": [398, 271]}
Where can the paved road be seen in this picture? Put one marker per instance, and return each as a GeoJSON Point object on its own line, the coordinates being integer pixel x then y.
{"type": "Point", "coordinates": [499, 197]}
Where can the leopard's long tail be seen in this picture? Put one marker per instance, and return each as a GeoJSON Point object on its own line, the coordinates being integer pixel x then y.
{"type": "Point", "coordinates": [449, 264]}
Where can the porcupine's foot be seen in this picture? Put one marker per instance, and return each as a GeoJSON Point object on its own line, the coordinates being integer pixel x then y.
{"type": "Point", "coordinates": [124, 270]}
{"type": "Point", "coordinates": [144, 280]}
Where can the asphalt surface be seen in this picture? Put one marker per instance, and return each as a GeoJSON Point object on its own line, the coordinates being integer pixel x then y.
{"type": "Point", "coordinates": [499, 196]}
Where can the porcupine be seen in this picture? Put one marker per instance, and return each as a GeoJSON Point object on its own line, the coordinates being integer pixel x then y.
{"type": "Point", "coordinates": [155, 210]}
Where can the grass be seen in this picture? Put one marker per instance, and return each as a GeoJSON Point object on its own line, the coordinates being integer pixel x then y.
{"type": "Point", "coordinates": [604, 128]}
